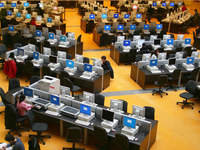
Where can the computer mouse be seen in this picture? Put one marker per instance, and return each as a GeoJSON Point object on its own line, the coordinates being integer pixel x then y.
{"type": "Point", "coordinates": [136, 139]}
{"type": "Point", "coordinates": [92, 124]}
{"type": "Point", "coordinates": [113, 130]}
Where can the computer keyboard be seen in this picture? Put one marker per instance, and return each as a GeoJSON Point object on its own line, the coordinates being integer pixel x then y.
{"type": "Point", "coordinates": [36, 65]}
{"type": "Point", "coordinates": [158, 71]}
{"type": "Point", "coordinates": [52, 69]}
{"type": "Point", "coordinates": [85, 77]}
{"type": "Point", "coordinates": [82, 122]}
{"type": "Point", "coordinates": [128, 136]}
{"type": "Point", "coordinates": [52, 113]}
{"type": "Point", "coordinates": [168, 49]}
{"type": "Point", "coordinates": [62, 45]}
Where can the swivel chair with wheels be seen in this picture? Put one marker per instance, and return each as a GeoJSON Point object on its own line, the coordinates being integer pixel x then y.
{"type": "Point", "coordinates": [13, 83]}
{"type": "Point", "coordinates": [162, 81]}
{"type": "Point", "coordinates": [62, 75]}
{"type": "Point", "coordinates": [99, 99]}
{"type": "Point", "coordinates": [149, 112]}
{"type": "Point", "coordinates": [131, 56]}
{"type": "Point", "coordinates": [194, 74]}
{"type": "Point", "coordinates": [175, 76]}
{"type": "Point", "coordinates": [138, 58]}
{"type": "Point", "coordinates": [34, 79]}
{"type": "Point", "coordinates": [69, 56]}
{"type": "Point", "coordinates": [73, 88]}
{"type": "Point", "coordinates": [122, 141]}
{"type": "Point", "coordinates": [2, 94]}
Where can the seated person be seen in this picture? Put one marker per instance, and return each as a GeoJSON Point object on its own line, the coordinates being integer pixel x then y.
{"type": "Point", "coordinates": [154, 55]}
{"type": "Point", "coordinates": [22, 107]}
{"type": "Point", "coordinates": [115, 38]}
{"type": "Point", "coordinates": [33, 21]}
{"type": "Point", "coordinates": [144, 49]}
{"type": "Point", "coordinates": [98, 23]}
{"type": "Point", "coordinates": [106, 66]}
{"type": "Point", "coordinates": [183, 7]}
{"type": "Point", "coordinates": [14, 141]}
{"type": "Point", "coordinates": [10, 68]}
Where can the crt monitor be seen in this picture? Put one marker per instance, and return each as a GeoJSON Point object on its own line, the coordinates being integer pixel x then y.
{"type": "Point", "coordinates": [20, 52]}
{"type": "Point", "coordinates": [55, 8]}
{"type": "Point", "coordinates": [63, 38]}
{"type": "Point", "coordinates": [46, 51]}
{"type": "Point", "coordinates": [156, 41]}
{"type": "Point", "coordinates": [28, 16]}
{"type": "Point", "coordinates": [179, 3]}
{"type": "Point", "coordinates": [18, 14]}
{"type": "Point", "coordinates": [187, 40]}
{"type": "Point", "coordinates": [38, 33]}
{"type": "Point", "coordinates": [170, 41]}
{"type": "Point", "coordinates": [39, 18]}
{"type": "Point", "coordinates": [126, 16]}
{"type": "Point", "coordinates": [138, 16]}
{"type": "Point", "coordinates": [36, 55]}
{"type": "Point", "coordinates": [97, 62]}
{"type": "Point", "coordinates": [162, 56]}
{"type": "Point", "coordinates": [172, 61]}
{"type": "Point", "coordinates": [85, 109]}
{"type": "Point", "coordinates": [51, 36]}
{"type": "Point", "coordinates": [138, 111]}
{"type": "Point", "coordinates": [65, 90]}
{"type": "Point", "coordinates": [116, 16]}
{"type": "Point", "coordinates": [132, 27]}
{"type": "Point", "coordinates": [26, 4]}
{"type": "Point", "coordinates": [88, 97]}
{"type": "Point", "coordinates": [120, 38]}
{"type": "Point", "coordinates": [164, 4]}
{"type": "Point", "coordinates": [49, 19]}
{"type": "Point", "coordinates": [195, 54]}
{"type": "Point", "coordinates": [126, 43]}
{"type": "Point", "coordinates": [28, 92]}
{"type": "Point", "coordinates": [61, 54]}
{"type": "Point", "coordinates": [179, 55]}
{"type": "Point", "coordinates": [146, 27]}
{"type": "Point", "coordinates": [88, 67]}
{"type": "Point", "coordinates": [159, 26]}
{"type": "Point", "coordinates": [146, 57]}
{"type": "Point", "coordinates": [165, 37]}
{"type": "Point", "coordinates": [13, 4]}
{"type": "Point", "coordinates": [154, 4]}
{"type": "Point", "coordinates": [135, 7]}
{"type": "Point", "coordinates": [92, 16]}
{"type": "Point", "coordinates": [153, 62]}
{"type": "Point", "coordinates": [107, 115]}
{"type": "Point", "coordinates": [172, 4]}
{"type": "Point", "coordinates": [71, 35]}
{"type": "Point", "coordinates": [9, 13]}
{"type": "Point", "coordinates": [79, 58]}
{"type": "Point", "coordinates": [69, 63]}
{"type": "Point", "coordinates": [140, 42]}
{"type": "Point", "coordinates": [120, 27]}
{"type": "Point", "coordinates": [116, 105]}
{"type": "Point", "coordinates": [190, 60]}
{"type": "Point", "coordinates": [136, 37]}
{"type": "Point", "coordinates": [32, 27]}
{"type": "Point", "coordinates": [55, 100]}
{"type": "Point", "coordinates": [180, 37]}
{"type": "Point", "coordinates": [53, 59]}
{"type": "Point", "coordinates": [58, 32]}
{"type": "Point", "coordinates": [104, 16]}
{"type": "Point", "coordinates": [45, 29]}
{"type": "Point", "coordinates": [40, 5]}
{"type": "Point", "coordinates": [25, 31]}
{"type": "Point", "coordinates": [11, 28]}
{"type": "Point", "coordinates": [107, 27]}
{"type": "Point", "coordinates": [1, 5]}
{"type": "Point", "coordinates": [129, 122]}
{"type": "Point", "coordinates": [153, 37]}
{"type": "Point", "coordinates": [95, 8]}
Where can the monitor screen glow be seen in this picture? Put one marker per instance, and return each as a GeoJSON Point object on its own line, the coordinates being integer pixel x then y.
{"type": "Point", "coordinates": [51, 36]}
{"type": "Point", "coordinates": [126, 16]}
{"type": "Point", "coordinates": [116, 16]}
{"type": "Point", "coordinates": [85, 109]}
{"type": "Point", "coordinates": [170, 41]}
{"type": "Point", "coordinates": [154, 4]}
{"type": "Point", "coordinates": [26, 4]}
{"type": "Point", "coordinates": [129, 122]}
{"type": "Point", "coordinates": [55, 100]}
{"type": "Point", "coordinates": [18, 14]}
{"type": "Point", "coordinates": [107, 27]}
{"type": "Point", "coordinates": [159, 26]}
{"type": "Point", "coordinates": [104, 16]}
{"type": "Point", "coordinates": [1, 4]}
{"type": "Point", "coordinates": [146, 27]}
{"type": "Point", "coordinates": [49, 19]}
{"type": "Point", "coordinates": [126, 43]}
{"type": "Point", "coordinates": [92, 16]}
{"type": "Point", "coordinates": [9, 13]}
{"type": "Point", "coordinates": [153, 62]}
{"type": "Point", "coordinates": [132, 27]}
{"type": "Point", "coordinates": [55, 8]}
{"type": "Point", "coordinates": [187, 40]}
{"type": "Point", "coordinates": [88, 67]}
{"type": "Point", "coordinates": [38, 33]}
{"type": "Point", "coordinates": [135, 6]}
{"type": "Point", "coordinates": [63, 38]}
{"type": "Point", "coordinates": [11, 28]}
{"type": "Point", "coordinates": [70, 63]}
{"type": "Point", "coordinates": [28, 16]}
{"type": "Point", "coordinates": [36, 55]}
{"type": "Point", "coordinates": [28, 92]}
{"type": "Point", "coordinates": [120, 27]}
{"type": "Point", "coordinates": [190, 60]}
{"type": "Point", "coordinates": [163, 4]}
{"type": "Point", "coordinates": [172, 4]}
{"type": "Point", "coordinates": [13, 4]}
{"type": "Point", "coordinates": [138, 16]}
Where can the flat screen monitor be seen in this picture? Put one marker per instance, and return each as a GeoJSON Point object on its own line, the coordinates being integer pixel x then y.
{"type": "Point", "coordinates": [58, 32]}
{"type": "Point", "coordinates": [154, 4]}
{"type": "Point", "coordinates": [179, 55]}
{"type": "Point", "coordinates": [138, 111]}
{"type": "Point", "coordinates": [190, 60]}
{"type": "Point", "coordinates": [153, 37]}
{"type": "Point", "coordinates": [172, 61]}
{"type": "Point", "coordinates": [138, 16]}
{"type": "Point", "coordinates": [120, 38]}
{"type": "Point", "coordinates": [11, 28]}
{"type": "Point", "coordinates": [49, 19]}
{"type": "Point", "coordinates": [127, 43]}
{"type": "Point", "coordinates": [20, 52]}
{"type": "Point", "coordinates": [39, 18]}
{"type": "Point", "coordinates": [38, 33]}
{"type": "Point", "coordinates": [55, 100]}
{"type": "Point", "coordinates": [129, 122]}
{"type": "Point", "coordinates": [61, 54]}
{"type": "Point", "coordinates": [28, 16]}
{"type": "Point", "coordinates": [104, 16]}
{"type": "Point", "coordinates": [63, 38]}
{"type": "Point", "coordinates": [165, 37]}
{"type": "Point", "coordinates": [162, 56]}
{"type": "Point", "coordinates": [95, 8]}
{"type": "Point", "coordinates": [51, 36]}
{"type": "Point", "coordinates": [116, 16]}
{"type": "Point", "coordinates": [53, 59]}
{"type": "Point", "coordinates": [18, 14]}
{"type": "Point", "coordinates": [107, 27]}
{"type": "Point", "coordinates": [136, 37]}
{"type": "Point", "coordinates": [126, 16]}
{"type": "Point", "coordinates": [88, 67]}
{"type": "Point", "coordinates": [69, 63]}
{"type": "Point", "coordinates": [1, 5]}
{"type": "Point", "coordinates": [9, 13]}
{"type": "Point", "coordinates": [26, 4]}
{"type": "Point", "coordinates": [79, 58]}
{"type": "Point", "coordinates": [92, 16]}
{"type": "Point", "coordinates": [120, 27]}
{"type": "Point", "coordinates": [132, 27]}
{"type": "Point", "coordinates": [135, 7]}
{"type": "Point", "coordinates": [187, 40]}
{"type": "Point", "coordinates": [55, 8]}
{"type": "Point", "coordinates": [116, 105]}
{"type": "Point", "coordinates": [156, 41]}
{"type": "Point", "coordinates": [88, 97]}
{"type": "Point", "coordinates": [180, 37]}
{"type": "Point", "coordinates": [28, 92]}
{"type": "Point", "coordinates": [107, 115]}
{"type": "Point", "coordinates": [146, 57]}
{"type": "Point", "coordinates": [172, 4]}
{"type": "Point", "coordinates": [13, 4]}
{"type": "Point", "coordinates": [40, 5]}
{"type": "Point", "coordinates": [153, 62]}
{"type": "Point", "coordinates": [170, 41]}
{"type": "Point", "coordinates": [36, 55]}
{"type": "Point", "coordinates": [85, 109]}
{"type": "Point", "coordinates": [159, 26]}
{"type": "Point", "coordinates": [140, 42]}
{"type": "Point", "coordinates": [146, 27]}
{"type": "Point", "coordinates": [163, 4]}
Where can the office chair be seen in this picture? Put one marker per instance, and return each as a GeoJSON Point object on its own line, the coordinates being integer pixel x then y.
{"type": "Point", "coordinates": [69, 56]}
{"type": "Point", "coordinates": [149, 112]}
{"type": "Point", "coordinates": [30, 69]}
{"type": "Point", "coordinates": [13, 83]}
{"type": "Point", "coordinates": [172, 55]}
{"type": "Point", "coordinates": [171, 36]}
{"type": "Point", "coordinates": [34, 79]}
{"type": "Point", "coordinates": [194, 74]}
{"type": "Point", "coordinates": [161, 49]}
{"type": "Point", "coordinates": [62, 75]}
{"type": "Point", "coordinates": [2, 93]}
{"type": "Point", "coordinates": [46, 71]}
{"type": "Point", "coordinates": [86, 60]}
{"type": "Point", "coordinates": [146, 38]}
{"type": "Point", "coordinates": [138, 58]}
{"type": "Point", "coordinates": [53, 50]}
{"type": "Point", "coordinates": [104, 40]}
{"type": "Point", "coordinates": [136, 33]}
{"type": "Point", "coordinates": [122, 141]}
{"type": "Point", "coordinates": [178, 49]}
{"type": "Point", "coordinates": [79, 38]}
{"type": "Point", "coordinates": [153, 32]}
{"type": "Point", "coordinates": [125, 105]}
{"type": "Point", "coordinates": [101, 134]}
{"type": "Point", "coordinates": [174, 76]}
{"type": "Point", "coordinates": [33, 41]}
{"type": "Point", "coordinates": [191, 90]}
{"type": "Point", "coordinates": [131, 56]}
{"type": "Point", "coordinates": [16, 45]}
{"type": "Point", "coordinates": [74, 134]}
{"type": "Point", "coordinates": [33, 144]}
{"type": "Point", "coordinates": [188, 50]}
{"type": "Point", "coordinates": [162, 81]}
{"type": "Point", "coordinates": [37, 127]}
{"type": "Point", "coordinates": [99, 99]}
{"type": "Point", "coordinates": [46, 44]}
{"type": "Point", "coordinates": [159, 18]}
{"type": "Point", "coordinates": [90, 26]}
{"type": "Point", "coordinates": [73, 88]}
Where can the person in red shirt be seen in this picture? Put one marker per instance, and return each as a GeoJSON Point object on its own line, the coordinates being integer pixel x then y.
{"type": "Point", "coordinates": [33, 21]}
{"type": "Point", "coordinates": [183, 7]}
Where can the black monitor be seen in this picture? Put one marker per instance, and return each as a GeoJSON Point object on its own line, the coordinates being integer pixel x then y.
{"type": "Point", "coordinates": [127, 2]}
{"type": "Point", "coordinates": [53, 59]}
{"type": "Point", "coordinates": [95, 8]}
{"type": "Point", "coordinates": [172, 61]}
{"type": "Point", "coordinates": [156, 41]}
{"type": "Point", "coordinates": [107, 115]}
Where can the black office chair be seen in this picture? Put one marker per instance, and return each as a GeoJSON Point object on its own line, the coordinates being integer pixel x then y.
{"type": "Point", "coordinates": [62, 75]}
{"type": "Point", "coordinates": [178, 49]}
{"type": "Point", "coordinates": [152, 32]}
{"type": "Point", "coordinates": [73, 88]}
{"type": "Point", "coordinates": [131, 56]}
{"type": "Point", "coordinates": [46, 44]}
{"type": "Point", "coordinates": [104, 40]}
{"type": "Point", "coordinates": [34, 79]}
{"type": "Point", "coordinates": [99, 99]}
{"type": "Point", "coordinates": [138, 58]}
{"type": "Point", "coordinates": [86, 60]}
{"type": "Point", "coordinates": [188, 50]}
{"type": "Point", "coordinates": [37, 127]}
{"type": "Point", "coordinates": [90, 26]}
{"type": "Point", "coordinates": [2, 94]}
{"type": "Point", "coordinates": [30, 69]}
{"type": "Point", "coordinates": [174, 76]}
{"type": "Point", "coordinates": [69, 56]}
{"type": "Point", "coordinates": [193, 74]}
{"type": "Point", "coordinates": [125, 105]}
{"type": "Point", "coordinates": [33, 41]}
{"type": "Point", "coordinates": [191, 90]}
{"type": "Point", "coordinates": [146, 38]}
{"type": "Point", "coordinates": [122, 141]}
{"type": "Point", "coordinates": [171, 36]}
{"type": "Point", "coordinates": [162, 81]}
{"type": "Point", "coordinates": [33, 144]}
{"type": "Point", "coordinates": [13, 83]}
{"type": "Point", "coordinates": [74, 134]}
{"type": "Point", "coordinates": [79, 38]}
{"type": "Point", "coordinates": [161, 49]}
{"type": "Point", "coordinates": [46, 71]}
{"type": "Point", "coordinates": [16, 45]}
{"type": "Point", "coordinates": [53, 50]}
{"type": "Point", "coordinates": [172, 55]}
{"type": "Point", "coordinates": [136, 33]}
{"type": "Point", "coordinates": [101, 134]}
{"type": "Point", "coordinates": [149, 112]}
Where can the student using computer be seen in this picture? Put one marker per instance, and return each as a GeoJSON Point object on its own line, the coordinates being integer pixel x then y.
{"type": "Point", "coordinates": [183, 7]}
{"type": "Point", "coordinates": [33, 21]}
{"type": "Point", "coordinates": [155, 54]}
{"type": "Point", "coordinates": [106, 66]}
{"type": "Point", "coordinates": [144, 49]}
{"type": "Point", "coordinates": [115, 38]}
{"type": "Point", "coordinates": [14, 141]}
{"type": "Point", "coordinates": [150, 12]}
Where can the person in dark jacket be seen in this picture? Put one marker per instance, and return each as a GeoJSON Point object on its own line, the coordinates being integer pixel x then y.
{"type": "Point", "coordinates": [144, 49]}
{"type": "Point", "coordinates": [115, 38]}
{"type": "Point", "coordinates": [106, 66]}
{"type": "Point", "coordinates": [15, 142]}
{"type": "Point", "coordinates": [150, 12]}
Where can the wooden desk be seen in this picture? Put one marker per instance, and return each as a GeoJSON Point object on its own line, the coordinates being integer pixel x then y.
{"type": "Point", "coordinates": [174, 27]}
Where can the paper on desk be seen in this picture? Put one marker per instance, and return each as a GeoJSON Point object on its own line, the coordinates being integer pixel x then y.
{"type": "Point", "coordinates": [4, 144]}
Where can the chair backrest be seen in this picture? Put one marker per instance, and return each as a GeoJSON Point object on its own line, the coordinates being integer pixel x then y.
{"type": "Point", "coordinates": [171, 55]}
{"type": "Point", "coordinates": [13, 83]}
{"type": "Point", "coordinates": [138, 58]}
{"type": "Point", "coordinates": [46, 71]}
{"type": "Point", "coordinates": [161, 49]}
{"type": "Point", "coordinates": [74, 134]}
{"type": "Point", "coordinates": [31, 118]}
{"type": "Point", "coordinates": [29, 66]}
{"type": "Point", "coordinates": [2, 93]}
{"type": "Point", "coordinates": [121, 141]}
{"type": "Point", "coordinates": [33, 144]}
{"type": "Point", "coordinates": [68, 83]}
{"type": "Point", "coordinates": [195, 73]}
{"type": "Point", "coordinates": [79, 38]}
{"type": "Point", "coordinates": [86, 60]}
{"type": "Point", "coordinates": [3, 49]}
{"type": "Point", "coordinates": [162, 80]}
{"type": "Point", "coordinates": [69, 56]}
{"type": "Point", "coordinates": [46, 44]}
{"type": "Point", "coordinates": [125, 105]}
{"type": "Point", "coordinates": [16, 45]}
{"type": "Point", "coordinates": [33, 41]}
{"type": "Point", "coordinates": [176, 74]}
{"type": "Point", "coordinates": [191, 86]}
{"type": "Point", "coordinates": [188, 50]}
{"type": "Point", "coordinates": [100, 133]}
{"type": "Point", "coordinates": [171, 36]}
{"type": "Point", "coordinates": [178, 49]}
{"type": "Point", "coordinates": [147, 38]}
{"type": "Point", "coordinates": [149, 112]}
{"type": "Point", "coordinates": [99, 99]}
{"type": "Point", "coordinates": [34, 79]}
